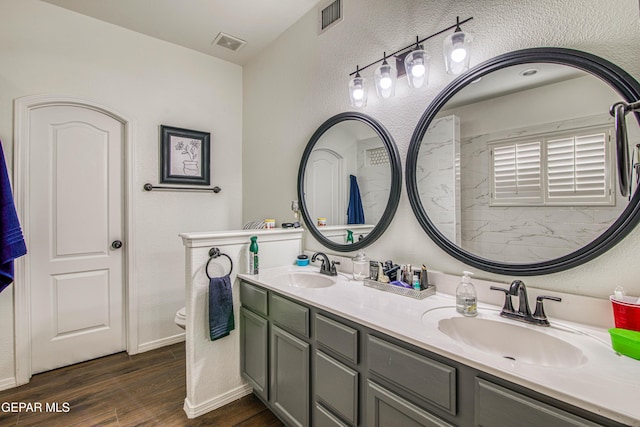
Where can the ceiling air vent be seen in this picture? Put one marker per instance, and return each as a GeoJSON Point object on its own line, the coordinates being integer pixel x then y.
{"type": "Point", "coordinates": [228, 41]}
{"type": "Point", "coordinates": [329, 14]}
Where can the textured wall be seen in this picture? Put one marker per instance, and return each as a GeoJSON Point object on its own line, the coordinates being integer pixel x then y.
{"type": "Point", "coordinates": [301, 80]}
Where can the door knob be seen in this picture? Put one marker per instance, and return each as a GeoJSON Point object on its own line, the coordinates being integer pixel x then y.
{"type": "Point", "coordinates": [116, 244]}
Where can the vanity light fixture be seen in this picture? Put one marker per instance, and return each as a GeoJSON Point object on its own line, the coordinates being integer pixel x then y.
{"type": "Point", "coordinates": [416, 65]}
{"type": "Point", "coordinates": [412, 61]}
{"type": "Point", "coordinates": [385, 77]}
{"type": "Point", "coordinates": [456, 48]}
{"type": "Point", "coordinates": [357, 90]}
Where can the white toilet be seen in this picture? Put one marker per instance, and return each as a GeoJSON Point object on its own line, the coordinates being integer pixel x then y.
{"type": "Point", "coordinates": [181, 318]}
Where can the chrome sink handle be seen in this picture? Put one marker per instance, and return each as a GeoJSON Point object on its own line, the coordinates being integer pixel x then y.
{"type": "Point", "coordinates": [508, 306]}
{"type": "Point", "coordinates": [539, 316]}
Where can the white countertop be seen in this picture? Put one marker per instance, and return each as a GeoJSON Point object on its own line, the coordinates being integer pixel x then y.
{"type": "Point", "coordinates": [606, 384]}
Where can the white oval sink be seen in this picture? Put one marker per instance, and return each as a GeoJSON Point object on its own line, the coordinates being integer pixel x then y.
{"type": "Point", "coordinates": [519, 343]}
{"type": "Point", "coordinates": [300, 279]}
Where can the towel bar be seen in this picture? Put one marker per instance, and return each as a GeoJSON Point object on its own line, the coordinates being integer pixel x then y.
{"type": "Point", "coordinates": [213, 254]}
{"type": "Point", "coordinates": [150, 187]}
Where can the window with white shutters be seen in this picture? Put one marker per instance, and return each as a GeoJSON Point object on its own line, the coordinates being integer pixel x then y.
{"type": "Point", "coordinates": [516, 173]}
{"type": "Point", "coordinates": [560, 169]}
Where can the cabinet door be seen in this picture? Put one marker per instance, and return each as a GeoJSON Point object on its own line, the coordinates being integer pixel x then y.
{"type": "Point", "coordinates": [336, 386]}
{"type": "Point", "coordinates": [498, 406]}
{"type": "Point", "coordinates": [254, 351]}
{"type": "Point", "coordinates": [324, 418]}
{"type": "Point", "coordinates": [290, 377]}
{"type": "Point", "coordinates": [386, 409]}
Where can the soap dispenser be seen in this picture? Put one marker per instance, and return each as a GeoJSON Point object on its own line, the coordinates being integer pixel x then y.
{"type": "Point", "coordinates": [466, 299]}
{"type": "Point", "coordinates": [360, 266]}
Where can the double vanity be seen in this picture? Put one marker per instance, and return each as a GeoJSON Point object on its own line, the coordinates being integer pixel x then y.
{"type": "Point", "coordinates": [324, 350]}
{"type": "Point", "coordinates": [328, 351]}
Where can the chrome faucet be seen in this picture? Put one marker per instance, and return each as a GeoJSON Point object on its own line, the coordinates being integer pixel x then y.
{"type": "Point", "coordinates": [523, 314]}
{"type": "Point", "coordinates": [327, 267]}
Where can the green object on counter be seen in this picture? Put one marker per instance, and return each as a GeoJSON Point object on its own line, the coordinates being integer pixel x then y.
{"type": "Point", "coordinates": [349, 236]}
{"type": "Point", "coordinates": [625, 341]}
{"type": "Point", "coordinates": [253, 256]}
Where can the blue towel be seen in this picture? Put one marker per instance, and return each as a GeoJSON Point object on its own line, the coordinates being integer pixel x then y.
{"type": "Point", "coordinates": [355, 213]}
{"type": "Point", "coordinates": [12, 244]}
{"type": "Point", "coordinates": [221, 321]}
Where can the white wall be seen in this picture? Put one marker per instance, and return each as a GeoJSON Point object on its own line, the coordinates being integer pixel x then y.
{"type": "Point", "coordinates": [301, 80]}
{"type": "Point", "coordinates": [47, 49]}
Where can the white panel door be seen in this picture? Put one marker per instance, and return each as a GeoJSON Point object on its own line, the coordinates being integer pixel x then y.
{"type": "Point", "coordinates": [324, 187]}
{"type": "Point", "coordinates": [75, 215]}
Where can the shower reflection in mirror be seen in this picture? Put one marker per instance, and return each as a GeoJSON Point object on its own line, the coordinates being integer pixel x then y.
{"type": "Point", "coordinates": [347, 181]}
{"type": "Point", "coordinates": [628, 164]}
{"type": "Point", "coordinates": [518, 166]}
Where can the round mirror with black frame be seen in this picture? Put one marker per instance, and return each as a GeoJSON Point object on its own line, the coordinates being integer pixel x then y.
{"type": "Point", "coordinates": [349, 182]}
{"type": "Point", "coordinates": [495, 170]}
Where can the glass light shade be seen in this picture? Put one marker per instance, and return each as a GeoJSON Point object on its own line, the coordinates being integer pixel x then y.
{"type": "Point", "coordinates": [416, 63]}
{"type": "Point", "coordinates": [357, 92]}
{"type": "Point", "coordinates": [386, 76]}
{"type": "Point", "coordinates": [457, 51]}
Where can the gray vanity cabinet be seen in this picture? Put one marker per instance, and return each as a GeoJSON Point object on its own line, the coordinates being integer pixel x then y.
{"type": "Point", "coordinates": [254, 339]}
{"type": "Point", "coordinates": [314, 368]}
{"type": "Point", "coordinates": [336, 378]}
{"type": "Point", "coordinates": [254, 347]}
{"type": "Point", "coordinates": [384, 408]}
{"type": "Point", "coordinates": [499, 406]}
{"type": "Point", "coordinates": [290, 377]}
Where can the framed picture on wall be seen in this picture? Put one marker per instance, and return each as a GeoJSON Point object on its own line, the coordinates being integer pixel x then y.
{"type": "Point", "coordinates": [184, 156]}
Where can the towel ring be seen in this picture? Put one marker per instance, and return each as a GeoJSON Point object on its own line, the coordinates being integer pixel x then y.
{"type": "Point", "coordinates": [213, 254]}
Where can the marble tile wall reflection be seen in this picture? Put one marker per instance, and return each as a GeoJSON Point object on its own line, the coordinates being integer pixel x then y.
{"type": "Point", "coordinates": [374, 181]}
{"type": "Point", "coordinates": [522, 234]}
{"type": "Point", "coordinates": [438, 177]}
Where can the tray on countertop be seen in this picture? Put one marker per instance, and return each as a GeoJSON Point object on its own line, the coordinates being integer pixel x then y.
{"type": "Point", "coordinates": [399, 290]}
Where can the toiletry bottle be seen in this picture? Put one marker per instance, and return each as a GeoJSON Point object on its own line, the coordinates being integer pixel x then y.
{"type": "Point", "coordinates": [466, 299]}
{"type": "Point", "coordinates": [253, 255]}
{"type": "Point", "coordinates": [360, 266]}
{"type": "Point", "coordinates": [416, 282]}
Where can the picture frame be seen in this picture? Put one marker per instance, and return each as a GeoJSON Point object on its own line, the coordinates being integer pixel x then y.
{"type": "Point", "coordinates": [184, 156]}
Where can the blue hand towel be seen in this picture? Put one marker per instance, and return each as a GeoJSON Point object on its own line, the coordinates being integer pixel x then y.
{"type": "Point", "coordinates": [221, 321]}
{"type": "Point", "coordinates": [12, 244]}
{"type": "Point", "coordinates": [355, 213]}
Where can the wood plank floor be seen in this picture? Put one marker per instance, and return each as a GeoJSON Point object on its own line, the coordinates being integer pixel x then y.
{"type": "Point", "coordinates": [146, 389]}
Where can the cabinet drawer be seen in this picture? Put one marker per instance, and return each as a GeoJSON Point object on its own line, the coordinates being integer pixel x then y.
{"type": "Point", "coordinates": [324, 418]}
{"type": "Point", "coordinates": [384, 408]}
{"type": "Point", "coordinates": [425, 378]}
{"type": "Point", "coordinates": [254, 298]}
{"type": "Point", "coordinates": [289, 315]}
{"type": "Point", "coordinates": [499, 406]}
{"type": "Point", "coordinates": [336, 386]}
{"type": "Point", "coordinates": [340, 338]}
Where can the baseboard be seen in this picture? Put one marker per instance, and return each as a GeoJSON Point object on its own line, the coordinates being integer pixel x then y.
{"type": "Point", "coordinates": [8, 383]}
{"type": "Point", "coordinates": [152, 345]}
{"type": "Point", "coordinates": [216, 402]}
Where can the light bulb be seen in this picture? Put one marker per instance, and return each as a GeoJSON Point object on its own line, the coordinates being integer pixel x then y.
{"type": "Point", "coordinates": [357, 92]}
{"type": "Point", "coordinates": [417, 70]}
{"type": "Point", "coordinates": [385, 82]}
{"type": "Point", "coordinates": [458, 54]}
{"type": "Point", "coordinates": [385, 78]}
{"type": "Point", "coordinates": [457, 50]}
{"type": "Point", "coordinates": [417, 65]}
